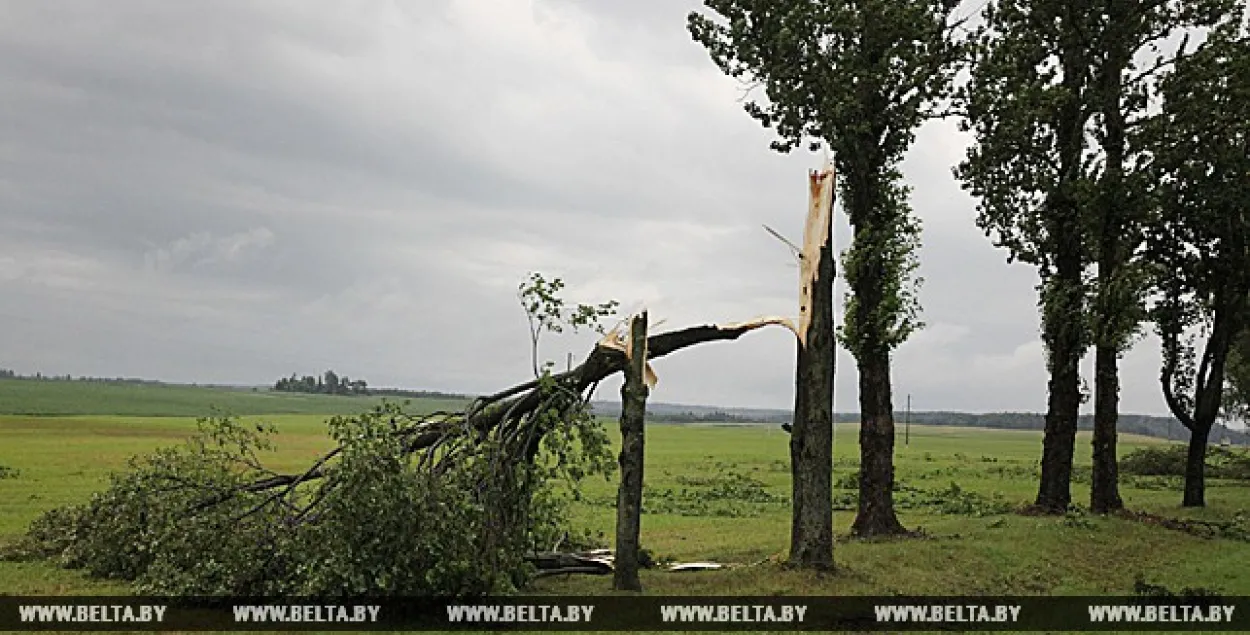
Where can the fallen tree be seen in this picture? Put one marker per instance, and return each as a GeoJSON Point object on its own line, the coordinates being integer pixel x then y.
{"type": "Point", "coordinates": [514, 409]}
{"type": "Point", "coordinates": [445, 503]}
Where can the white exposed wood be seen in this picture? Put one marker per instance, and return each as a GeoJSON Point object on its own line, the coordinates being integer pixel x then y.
{"type": "Point", "coordinates": [816, 234]}
{"type": "Point", "coordinates": [763, 320]}
{"type": "Point", "coordinates": [615, 339]}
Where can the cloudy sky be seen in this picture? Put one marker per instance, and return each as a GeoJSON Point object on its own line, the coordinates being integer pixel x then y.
{"type": "Point", "coordinates": [230, 192]}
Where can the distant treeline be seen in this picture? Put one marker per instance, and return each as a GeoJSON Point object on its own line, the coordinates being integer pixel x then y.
{"type": "Point", "coordinates": [417, 394]}
{"type": "Point", "coordinates": [331, 383]}
{"type": "Point", "coordinates": [6, 373]}
{"type": "Point", "coordinates": [713, 416]}
{"type": "Point", "coordinates": [1145, 425]}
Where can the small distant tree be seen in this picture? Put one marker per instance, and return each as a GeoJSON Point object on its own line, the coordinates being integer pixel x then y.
{"type": "Point", "coordinates": [546, 311]}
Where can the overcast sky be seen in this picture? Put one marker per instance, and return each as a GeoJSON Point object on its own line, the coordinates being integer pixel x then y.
{"type": "Point", "coordinates": [229, 192]}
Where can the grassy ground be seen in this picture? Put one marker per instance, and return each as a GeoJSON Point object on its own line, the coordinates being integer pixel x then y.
{"type": "Point", "coordinates": [720, 493]}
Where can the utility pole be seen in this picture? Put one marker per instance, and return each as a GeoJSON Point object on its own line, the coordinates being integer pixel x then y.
{"type": "Point", "coordinates": [907, 423]}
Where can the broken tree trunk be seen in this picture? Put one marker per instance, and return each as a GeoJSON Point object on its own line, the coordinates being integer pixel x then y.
{"type": "Point", "coordinates": [811, 441]}
{"type": "Point", "coordinates": [629, 496]}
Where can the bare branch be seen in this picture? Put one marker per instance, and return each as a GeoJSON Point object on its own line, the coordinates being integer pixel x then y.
{"type": "Point", "coordinates": [798, 253]}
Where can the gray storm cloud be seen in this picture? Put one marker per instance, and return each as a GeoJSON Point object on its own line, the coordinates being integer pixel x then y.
{"type": "Point", "coordinates": [234, 191]}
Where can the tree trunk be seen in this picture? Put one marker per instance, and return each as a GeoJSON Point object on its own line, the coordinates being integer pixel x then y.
{"type": "Point", "coordinates": [811, 461]}
{"type": "Point", "coordinates": [1105, 490]}
{"type": "Point", "coordinates": [876, 515]}
{"type": "Point", "coordinates": [1063, 333]}
{"type": "Point", "coordinates": [1195, 467]}
{"type": "Point", "coordinates": [1054, 493]}
{"type": "Point", "coordinates": [1063, 294]}
{"type": "Point", "coordinates": [629, 496]}
{"type": "Point", "coordinates": [1227, 321]}
{"type": "Point", "coordinates": [811, 440]}
{"type": "Point", "coordinates": [1116, 242]}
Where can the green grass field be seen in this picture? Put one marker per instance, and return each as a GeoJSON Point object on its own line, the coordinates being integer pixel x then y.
{"type": "Point", "coordinates": [715, 493]}
{"type": "Point", "coordinates": [720, 493]}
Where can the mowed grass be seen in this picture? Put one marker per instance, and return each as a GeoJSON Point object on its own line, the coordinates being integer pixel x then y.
{"type": "Point", "coordinates": [28, 397]}
{"type": "Point", "coordinates": [705, 484]}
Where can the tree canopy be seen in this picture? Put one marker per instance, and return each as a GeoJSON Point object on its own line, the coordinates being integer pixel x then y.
{"type": "Point", "coordinates": [857, 78]}
{"type": "Point", "coordinates": [1200, 244]}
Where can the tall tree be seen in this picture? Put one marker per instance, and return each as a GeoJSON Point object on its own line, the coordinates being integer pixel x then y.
{"type": "Point", "coordinates": [859, 77]}
{"type": "Point", "coordinates": [811, 435]}
{"type": "Point", "coordinates": [1026, 105]}
{"type": "Point", "coordinates": [1121, 93]}
{"type": "Point", "coordinates": [1201, 241]}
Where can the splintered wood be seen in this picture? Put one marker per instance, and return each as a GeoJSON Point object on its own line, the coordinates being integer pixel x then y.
{"type": "Point", "coordinates": [615, 339]}
{"type": "Point", "coordinates": [816, 234]}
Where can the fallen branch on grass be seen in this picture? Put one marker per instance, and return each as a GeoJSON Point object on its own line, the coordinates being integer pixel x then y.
{"type": "Point", "coordinates": [508, 417]}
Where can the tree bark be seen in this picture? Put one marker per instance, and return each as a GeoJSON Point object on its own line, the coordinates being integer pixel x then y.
{"type": "Point", "coordinates": [1226, 323]}
{"type": "Point", "coordinates": [1054, 493]}
{"type": "Point", "coordinates": [1105, 489]}
{"type": "Point", "coordinates": [629, 496]}
{"type": "Point", "coordinates": [1195, 468]}
{"type": "Point", "coordinates": [876, 516]}
{"type": "Point", "coordinates": [1115, 246]}
{"type": "Point", "coordinates": [811, 440]}
{"type": "Point", "coordinates": [1063, 292]}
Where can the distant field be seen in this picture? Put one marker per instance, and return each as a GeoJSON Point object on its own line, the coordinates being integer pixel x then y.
{"type": "Point", "coordinates": [720, 493]}
{"type": "Point", "coordinates": [28, 397]}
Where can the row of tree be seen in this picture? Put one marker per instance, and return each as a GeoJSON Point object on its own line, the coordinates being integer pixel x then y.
{"type": "Point", "coordinates": [7, 373]}
{"type": "Point", "coordinates": [1126, 185]}
{"type": "Point", "coordinates": [1145, 425]}
{"type": "Point", "coordinates": [1118, 171]}
{"type": "Point", "coordinates": [329, 383]}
